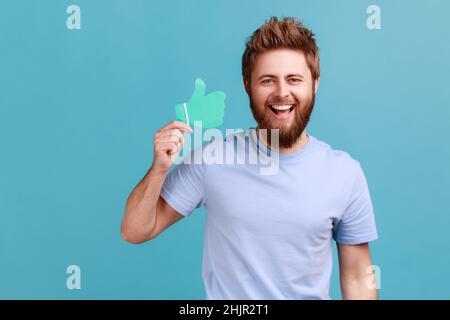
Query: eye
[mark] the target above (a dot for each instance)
(295, 80)
(266, 81)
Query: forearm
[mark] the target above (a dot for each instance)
(359, 288)
(140, 209)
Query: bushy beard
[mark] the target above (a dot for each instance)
(290, 133)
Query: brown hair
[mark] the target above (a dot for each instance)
(287, 33)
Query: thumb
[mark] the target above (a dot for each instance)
(199, 88)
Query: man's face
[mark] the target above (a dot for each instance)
(282, 93)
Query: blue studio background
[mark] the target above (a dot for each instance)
(78, 109)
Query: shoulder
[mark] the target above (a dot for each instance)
(336, 159)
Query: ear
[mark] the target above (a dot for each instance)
(246, 86)
(316, 85)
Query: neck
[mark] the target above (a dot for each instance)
(296, 147)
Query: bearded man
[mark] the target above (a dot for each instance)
(267, 236)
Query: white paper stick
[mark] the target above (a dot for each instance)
(186, 113)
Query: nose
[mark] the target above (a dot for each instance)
(282, 90)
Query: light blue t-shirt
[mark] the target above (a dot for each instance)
(269, 236)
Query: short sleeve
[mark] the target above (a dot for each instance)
(183, 187)
(357, 224)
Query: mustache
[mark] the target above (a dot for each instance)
(288, 135)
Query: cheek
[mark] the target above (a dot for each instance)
(302, 94)
(260, 95)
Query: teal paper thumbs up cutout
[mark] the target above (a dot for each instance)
(208, 109)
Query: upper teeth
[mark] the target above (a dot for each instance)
(283, 107)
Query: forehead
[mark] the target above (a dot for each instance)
(280, 62)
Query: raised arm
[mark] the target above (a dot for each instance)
(147, 214)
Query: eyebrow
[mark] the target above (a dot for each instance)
(274, 76)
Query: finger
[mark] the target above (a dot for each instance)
(218, 96)
(173, 138)
(170, 138)
(166, 147)
(218, 109)
(199, 88)
(170, 132)
(176, 125)
(175, 149)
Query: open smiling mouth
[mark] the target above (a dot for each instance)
(282, 111)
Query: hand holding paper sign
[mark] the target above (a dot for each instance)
(208, 109)
(168, 142)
